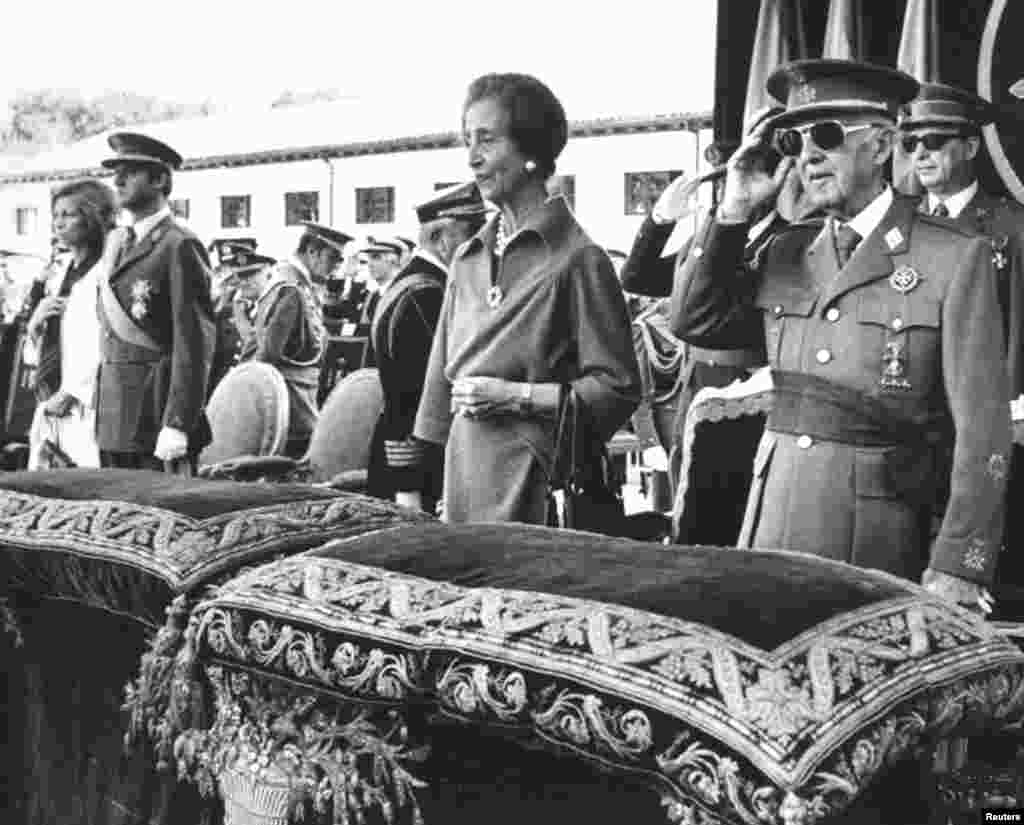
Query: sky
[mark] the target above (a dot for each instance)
(633, 57)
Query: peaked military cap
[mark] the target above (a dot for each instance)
(131, 147)
(327, 234)
(460, 201)
(249, 263)
(940, 105)
(829, 88)
(229, 250)
(406, 242)
(382, 245)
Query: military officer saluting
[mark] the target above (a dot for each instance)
(156, 321)
(884, 334)
(941, 133)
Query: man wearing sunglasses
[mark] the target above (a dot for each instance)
(879, 329)
(941, 134)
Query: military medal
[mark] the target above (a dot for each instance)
(494, 296)
(904, 279)
(141, 291)
(999, 252)
(894, 367)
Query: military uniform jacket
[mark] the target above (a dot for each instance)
(402, 334)
(162, 285)
(1002, 222)
(288, 333)
(916, 306)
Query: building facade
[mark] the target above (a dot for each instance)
(611, 171)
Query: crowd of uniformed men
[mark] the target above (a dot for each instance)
(887, 321)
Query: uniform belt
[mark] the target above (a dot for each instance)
(727, 357)
(808, 405)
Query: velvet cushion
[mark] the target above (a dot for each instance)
(128, 540)
(745, 686)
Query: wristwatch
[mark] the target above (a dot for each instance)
(526, 398)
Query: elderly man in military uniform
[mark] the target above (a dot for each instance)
(401, 467)
(941, 133)
(287, 324)
(156, 321)
(883, 331)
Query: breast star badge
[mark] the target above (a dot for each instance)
(904, 279)
(141, 292)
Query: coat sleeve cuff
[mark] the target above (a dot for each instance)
(972, 559)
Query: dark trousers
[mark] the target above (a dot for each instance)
(147, 461)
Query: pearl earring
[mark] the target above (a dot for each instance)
(530, 166)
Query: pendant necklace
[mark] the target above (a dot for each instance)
(494, 294)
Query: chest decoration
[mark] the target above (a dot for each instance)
(494, 296)
(894, 367)
(999, 243)
(142, 292)
(904, 279)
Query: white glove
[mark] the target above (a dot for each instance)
(171, 444)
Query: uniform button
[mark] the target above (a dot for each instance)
(823, 356)
(897, 323)
(697, 251)
(804, 442)
(777, 309)
(832, 315)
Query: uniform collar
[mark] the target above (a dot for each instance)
(145, 226)
(955, 204)
(867, 220)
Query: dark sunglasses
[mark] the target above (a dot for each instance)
(932, 142)
(826, 134)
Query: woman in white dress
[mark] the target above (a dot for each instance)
(63, 330)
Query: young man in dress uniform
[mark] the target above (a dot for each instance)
(156, 321)
(383, 262)
(941, 133)
(879, 328)
(401, 467)
(287, 323)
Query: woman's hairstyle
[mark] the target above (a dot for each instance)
(95, 200)
(536, 119)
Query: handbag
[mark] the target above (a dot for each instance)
(583, 493)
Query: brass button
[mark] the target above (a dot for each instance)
(897, 323)
(777, 309)
(832, 315)
(823, 356)
(697, 251)
(804, 442)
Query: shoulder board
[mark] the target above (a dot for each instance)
(947, 224)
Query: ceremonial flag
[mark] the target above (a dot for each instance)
(919, 57)
(779, 39)
(844, 31)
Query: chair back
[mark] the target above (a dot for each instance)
(248, 412)
(341, 439)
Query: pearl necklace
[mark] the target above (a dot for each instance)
(501, 237)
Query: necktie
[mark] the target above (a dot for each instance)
(847, 239)
(127, 243)
(940, 211)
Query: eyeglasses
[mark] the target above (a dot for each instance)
(932, 142)
(826, 134)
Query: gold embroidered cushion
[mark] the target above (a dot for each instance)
(745, 686)
(128, 540)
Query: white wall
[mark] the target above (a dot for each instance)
(598, 164)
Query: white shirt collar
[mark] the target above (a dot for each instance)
(145, 226)
(955, 204)
(867, 220)
(757, 230)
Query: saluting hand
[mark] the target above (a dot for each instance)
(748, 184)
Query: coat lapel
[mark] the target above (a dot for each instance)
(873, 258)
(142, 248)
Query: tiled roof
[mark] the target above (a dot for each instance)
(322, 130)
